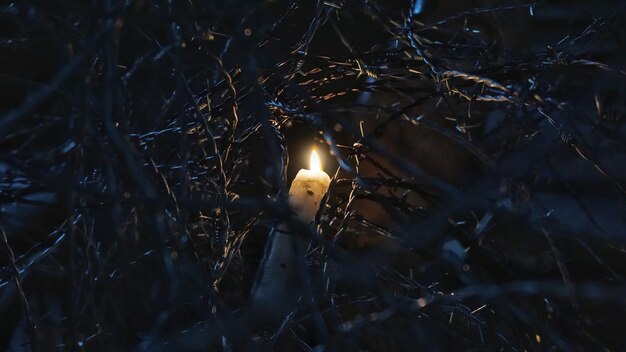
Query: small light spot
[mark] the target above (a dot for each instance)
(247, 32)
(418, 7)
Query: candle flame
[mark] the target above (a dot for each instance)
(316, 165)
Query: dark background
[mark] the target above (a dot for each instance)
(477, 150)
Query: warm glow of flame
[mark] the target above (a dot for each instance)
(316, 165)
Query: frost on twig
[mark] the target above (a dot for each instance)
(476, 152)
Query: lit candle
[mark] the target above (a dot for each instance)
(276, 287)
(307, 189)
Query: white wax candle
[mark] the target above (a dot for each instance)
(307, 190)
(277, 285)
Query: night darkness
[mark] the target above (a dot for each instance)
(476, 152)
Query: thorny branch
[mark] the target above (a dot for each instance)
(477, 190)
